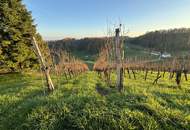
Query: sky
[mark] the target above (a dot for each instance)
(58, 19)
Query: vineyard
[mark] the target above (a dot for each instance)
(64, 64)
(79, 75)
(67, 65)
(119, 93)
(131, 67)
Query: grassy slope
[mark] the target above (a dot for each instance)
(77, 105)
(89, 59)
(131, 51)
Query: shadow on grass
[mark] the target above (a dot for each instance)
(164, 122)
(16, 105)
(12, 83)
(15, 114)
(102, 91)
(71, 107)
(169, 98)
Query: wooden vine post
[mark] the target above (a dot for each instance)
(45, 69)
(118, 54)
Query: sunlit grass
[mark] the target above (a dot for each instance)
(76, 104)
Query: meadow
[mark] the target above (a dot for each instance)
(85, 102)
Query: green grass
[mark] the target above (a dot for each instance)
(132, 51)
(76, 104)
(88, 58)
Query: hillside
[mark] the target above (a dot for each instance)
(89, 45)
(86, 49)
(115, 82)
(86, 102)
(175, 41)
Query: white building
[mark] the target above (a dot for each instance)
(166, 55)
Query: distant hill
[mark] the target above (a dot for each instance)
(174, 40)
(88, 45)
(86, 49)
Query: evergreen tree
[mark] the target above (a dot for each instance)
(16, 32)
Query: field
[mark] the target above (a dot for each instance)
(86, 103)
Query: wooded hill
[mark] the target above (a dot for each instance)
(173, 41)
(89, 45)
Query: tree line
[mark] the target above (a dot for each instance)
(172, 40)
(89, 45)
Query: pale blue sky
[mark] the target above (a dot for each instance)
(57, 19)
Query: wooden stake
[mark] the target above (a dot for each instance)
(44, 68)
(119, 70)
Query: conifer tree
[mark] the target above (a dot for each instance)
(16, 32)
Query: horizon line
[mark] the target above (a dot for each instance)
(133, 35)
